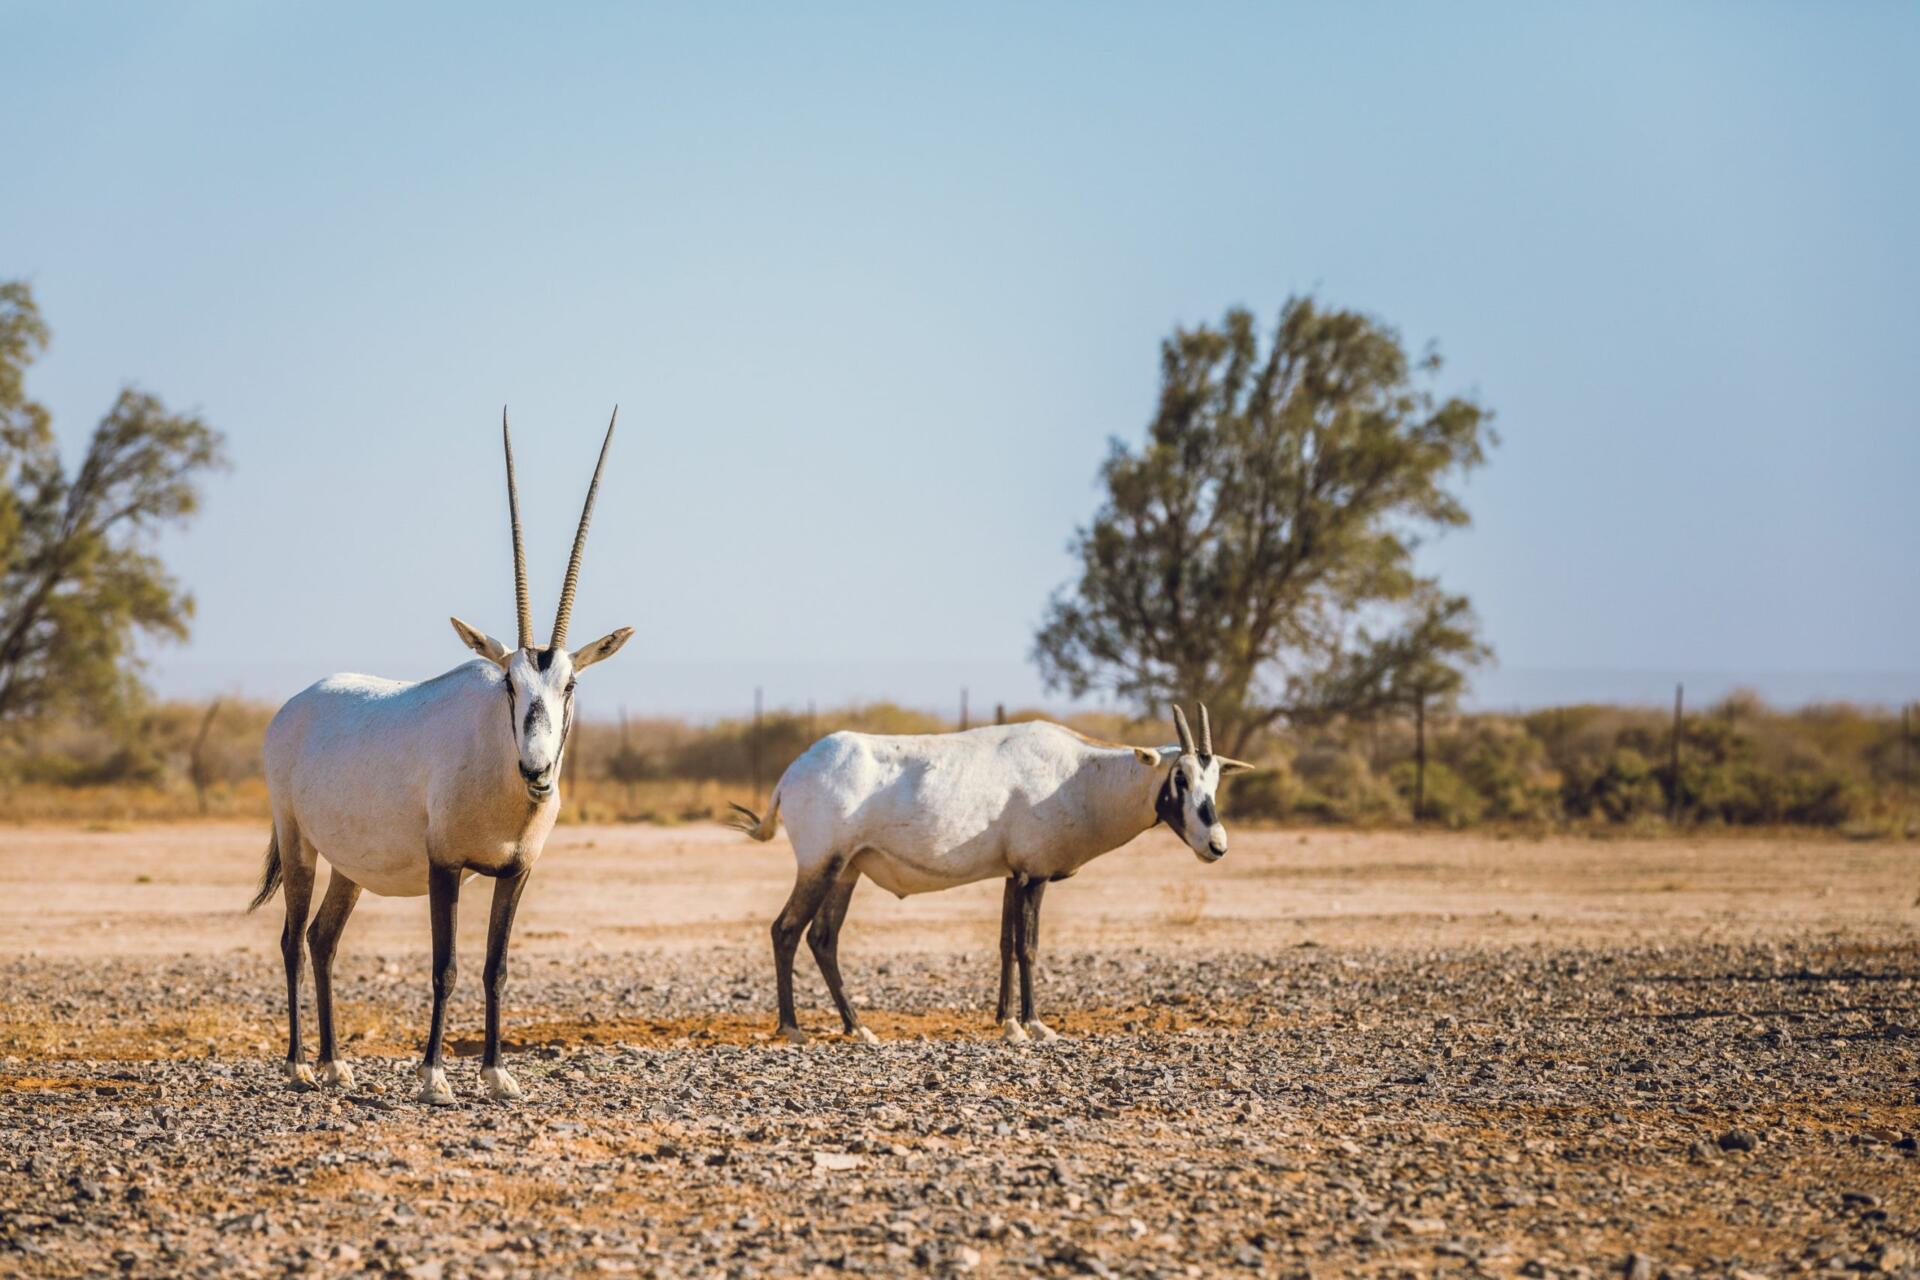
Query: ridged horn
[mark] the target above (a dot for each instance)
(580, 542)
(1186, 734)
(522, 604)
(1206, 733)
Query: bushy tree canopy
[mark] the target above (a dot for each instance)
(1257, 553)
(78, 582)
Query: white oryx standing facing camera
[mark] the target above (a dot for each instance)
(408, 789)
(1032, 803)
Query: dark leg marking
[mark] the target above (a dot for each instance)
(443, 903)
(823, 939)
(297, 887)
(1029, 943)
(323, 937)
(1009, 922)
(506, 900)
(810, 889)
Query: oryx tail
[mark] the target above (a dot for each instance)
(270, 875)
(755, 826)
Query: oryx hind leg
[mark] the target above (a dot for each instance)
(323, 937)
(810, 889)
(297, 860)
(823, 939)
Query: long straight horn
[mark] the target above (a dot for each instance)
(1206, 733)
(1186, 734)
(580, 541)
(521, 603)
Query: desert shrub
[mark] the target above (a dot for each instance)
(1621, 787)
(1270, 795)
(1449, 799)
(1506, 768)
(1337, 785)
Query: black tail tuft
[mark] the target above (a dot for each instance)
(748, 821)
(270, 876)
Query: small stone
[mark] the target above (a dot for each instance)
(1738, 1140)
(1638, 1266)
(966, 1258)
(835, 1161)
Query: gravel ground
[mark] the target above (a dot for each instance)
(1539, 1110)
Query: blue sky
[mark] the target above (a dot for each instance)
(874, 285)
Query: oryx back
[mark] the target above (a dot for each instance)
(918, 813)
(377, 775)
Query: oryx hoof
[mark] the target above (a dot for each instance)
(1012, 1032)
(434, 1089)
(1042, 1032)
(336, 1074)
(501, 1086)
(299, 1076)
(862, 1035)
(791, 1034)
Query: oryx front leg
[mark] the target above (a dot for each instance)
(810, 889)
(500, 1083)
(443, 902)
(323, 938)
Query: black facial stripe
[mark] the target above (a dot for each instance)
(1166, 805)
(543, 658)
(536, 718)
(1207, 812)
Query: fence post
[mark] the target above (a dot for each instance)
(1906, 757)
(1673, 765)
(963, 708)
(626, 760)
(999, 713)
(753, 744)
(202, 778)
(1419, 755)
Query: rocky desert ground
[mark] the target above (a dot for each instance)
(1331, 1054)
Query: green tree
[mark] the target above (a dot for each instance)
(1257, 553)
(78, 581)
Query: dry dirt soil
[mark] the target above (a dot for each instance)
(1330, 1054)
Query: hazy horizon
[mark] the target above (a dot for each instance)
(875, 288)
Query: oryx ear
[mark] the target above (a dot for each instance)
(482, 643)
(1229, 765)
(605, 647)
(1147, 756)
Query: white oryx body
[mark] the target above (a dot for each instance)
(918, 813)
(1027, 803)
(413, 788)
(379, 776)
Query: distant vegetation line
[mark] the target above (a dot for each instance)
(1743, 764)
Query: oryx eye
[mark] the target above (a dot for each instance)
(570, 685)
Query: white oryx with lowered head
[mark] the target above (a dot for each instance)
(408, 789)
(1030, 803)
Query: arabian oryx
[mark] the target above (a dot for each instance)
(408, 789)
(1029, 802)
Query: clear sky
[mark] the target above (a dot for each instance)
(873, 286)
